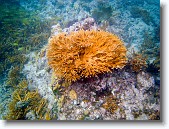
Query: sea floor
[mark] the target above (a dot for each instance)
(123, 94)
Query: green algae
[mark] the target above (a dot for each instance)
(20, 30)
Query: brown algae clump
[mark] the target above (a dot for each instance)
(25, 102)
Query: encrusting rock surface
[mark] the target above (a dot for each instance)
(119, 95)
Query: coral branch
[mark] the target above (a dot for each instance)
(85, 53)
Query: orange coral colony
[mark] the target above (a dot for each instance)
(85, 53)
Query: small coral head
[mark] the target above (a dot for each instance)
(85, 53)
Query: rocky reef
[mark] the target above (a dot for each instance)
(33, 89)
(117, 95)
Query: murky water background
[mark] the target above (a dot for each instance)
(25, 26)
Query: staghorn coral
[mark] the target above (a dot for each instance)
(85, 53)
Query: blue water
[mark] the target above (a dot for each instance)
(25, 26)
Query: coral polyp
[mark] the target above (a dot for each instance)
(85, 53)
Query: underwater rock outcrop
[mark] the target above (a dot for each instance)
(120, 95)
